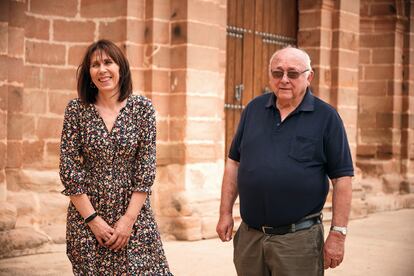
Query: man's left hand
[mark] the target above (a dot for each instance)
(333, 251)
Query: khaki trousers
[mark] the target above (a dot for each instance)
(293, 254)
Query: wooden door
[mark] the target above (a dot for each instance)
(255, 30)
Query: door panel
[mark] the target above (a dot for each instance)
(255, 30)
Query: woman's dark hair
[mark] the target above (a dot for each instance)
(87, 92)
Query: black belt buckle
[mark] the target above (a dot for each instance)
(268, 230)
(266, 227)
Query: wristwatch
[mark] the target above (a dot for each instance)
(340, 229)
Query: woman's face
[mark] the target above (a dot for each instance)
(104, 73)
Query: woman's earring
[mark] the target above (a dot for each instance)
(92, 85)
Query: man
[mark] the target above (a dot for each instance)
(287, 145)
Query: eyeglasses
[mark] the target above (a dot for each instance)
(277, 74)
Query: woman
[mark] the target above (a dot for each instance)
(107, 167)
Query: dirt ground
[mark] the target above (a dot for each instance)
(379, 245)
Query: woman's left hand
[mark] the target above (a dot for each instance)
(123, 230)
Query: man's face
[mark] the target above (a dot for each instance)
(291, 86)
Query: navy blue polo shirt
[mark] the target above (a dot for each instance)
(284, 166)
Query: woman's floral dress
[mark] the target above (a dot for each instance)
(108, 167)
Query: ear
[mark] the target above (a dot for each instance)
(310, 77)
(272, 85)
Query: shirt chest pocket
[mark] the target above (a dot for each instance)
(302, 148)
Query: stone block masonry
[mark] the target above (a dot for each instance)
(362, 54)
(41, 46)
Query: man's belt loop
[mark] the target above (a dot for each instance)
(318, 214)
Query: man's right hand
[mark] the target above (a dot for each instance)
(102, 231)
(225, 227)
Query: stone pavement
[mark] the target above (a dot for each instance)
(379, 245)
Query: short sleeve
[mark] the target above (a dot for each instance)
(72, 173)
(145, 158)
(338, 153)
(234, 152)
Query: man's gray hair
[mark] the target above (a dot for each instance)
(306, 56)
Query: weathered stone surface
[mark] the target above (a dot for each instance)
(20, 239)
(391, 183)
(34, 180)
(27, 205)
(164, 226)
(207, 207)
(204, 175)
(410, 181)
(371, 185)
(384, 202)
(377, 168)
(176, 205)
(8, 215)
(408, 200)
(359, 208)
(357, 191)
(53, 208)
(208, 227)
(56, 233)
(407, 185)
(25, 201)
(186, 228)
(39, 208)
(3, 186)
(168, 184)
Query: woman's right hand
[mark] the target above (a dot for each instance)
(101, 230)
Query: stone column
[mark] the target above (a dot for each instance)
(15, 235)
(15, 117)
(8, 212)
(4, 38)
(345, 62)
(384, 130)
(16, 120)
(329, 32)
(407, 135)
(191, 153)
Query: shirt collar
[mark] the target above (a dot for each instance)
(307, 103)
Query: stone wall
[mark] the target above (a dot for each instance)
(176, 51)
(362, 52)
(185, 79)
(362, 55)
(385, 102)
(329, 31)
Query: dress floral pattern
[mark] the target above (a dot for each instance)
(109, 166)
